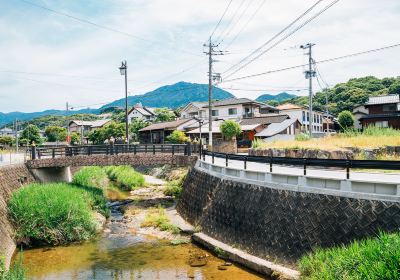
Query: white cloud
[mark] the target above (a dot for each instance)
(36, 41)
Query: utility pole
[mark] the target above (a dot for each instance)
(309, 75)
(68, 132)
(16, 135)
(211, 78)
(124, 71)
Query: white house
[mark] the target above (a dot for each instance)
(85, 127)
(302, 114)
(232, 108)
(7, 132)
(141, 112)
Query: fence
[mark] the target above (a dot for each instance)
(53, 152)
(305, 162)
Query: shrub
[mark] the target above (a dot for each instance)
(178, 137)
(51, 214)
(257, 143)
(346, 119)
(377, 258)
(302, 137)
(174, 188)
(125, 176)
(93, 176)
(230, 129)
(16, 271)
(156, 217)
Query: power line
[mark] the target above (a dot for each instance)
(219, 38)
(247, 23)
(317, 62)
(223, 14)
(285, 37)
(274, 37)
(110, 29)
(264, 89)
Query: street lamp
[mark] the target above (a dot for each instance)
(200, 121)
(124, 72)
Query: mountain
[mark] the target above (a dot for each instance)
(173, 96)
(6, 118)
(279, 97)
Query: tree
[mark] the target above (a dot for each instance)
(136, 125)
(75, 138)
(230, 129)
(32, 134)
(113, 129)
(164, 115)
(178, 137)
(55, 133)
(6, 140)
(346, 119)
(119, 117)
(395, 88)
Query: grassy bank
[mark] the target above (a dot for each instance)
(377, 258)
(372, 137)
(156, 217)
(125, 177)
(55, 213)
(93, 176)
(15, 272)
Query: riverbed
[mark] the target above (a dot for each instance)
(124, 250)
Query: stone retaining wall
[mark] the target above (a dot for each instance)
(142, 159)
(279, 224)
(11, 178)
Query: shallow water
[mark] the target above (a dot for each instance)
(119, 253)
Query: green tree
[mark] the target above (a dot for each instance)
(178, 137)
(6, 140)
(230, 129)
(118, 117)
(55, 133)
(164, 115)
(395, 88)
(97, 136)
(32, 134)
(75, 138)
(136, 125)
(113, 129)
(346, 120)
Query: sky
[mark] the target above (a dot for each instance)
(73, 54)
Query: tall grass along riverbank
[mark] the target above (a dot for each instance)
(54, 213)
(377, 258)
(15, 272)
(371, 137)
(125, 177)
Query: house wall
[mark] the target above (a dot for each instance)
(298, 114)
(382, 109)
(135, 114)
(393, 122)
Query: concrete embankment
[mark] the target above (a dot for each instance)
(11, 178)
(276, 223)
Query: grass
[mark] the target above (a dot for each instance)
(93, 176)
(371, 137)
(125, 177)
(156, 217)
(53, 213)
(377, 258)
(174, 188)
(16, 271)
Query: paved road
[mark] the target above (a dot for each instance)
(313, 171)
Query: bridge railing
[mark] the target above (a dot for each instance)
(306, 162)
(54, 152)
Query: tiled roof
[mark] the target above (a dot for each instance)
(97, 123)
(272, 118)
(237, 101)
(165, 125)
(289, 106)
(275, 128)
(383, 99)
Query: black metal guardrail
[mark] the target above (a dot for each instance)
(53, 152)
(305, 162)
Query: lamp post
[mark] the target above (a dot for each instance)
(200, 121)
(124, 72)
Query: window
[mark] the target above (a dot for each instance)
(304, 116)
(308, 116)
(214, 113)
(382, 124)
(232, 111)
(389, 108)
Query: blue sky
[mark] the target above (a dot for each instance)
(48, 59)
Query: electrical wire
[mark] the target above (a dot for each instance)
(219, 38)
(223, 14)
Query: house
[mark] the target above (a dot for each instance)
(303, 115)
(84, 127)
(231, 108)
(262, 127)
(6, 132)
(383, 111)
(157, 133)
(359, 112)
(141, 112)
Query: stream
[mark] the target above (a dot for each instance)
(125, 251)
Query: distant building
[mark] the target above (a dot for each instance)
(382, 111)
(141, 112)
(157, 133)
(359, 112)
(231, 108)
(6, 132)
(85, 127)
(303, 115)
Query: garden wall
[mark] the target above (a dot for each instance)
(276, 223)
(11, 178)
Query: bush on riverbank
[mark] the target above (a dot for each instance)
(174, 188)
(125, 176)
(156, 217)
(53, 213)
(93, 176)
(377, 258)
